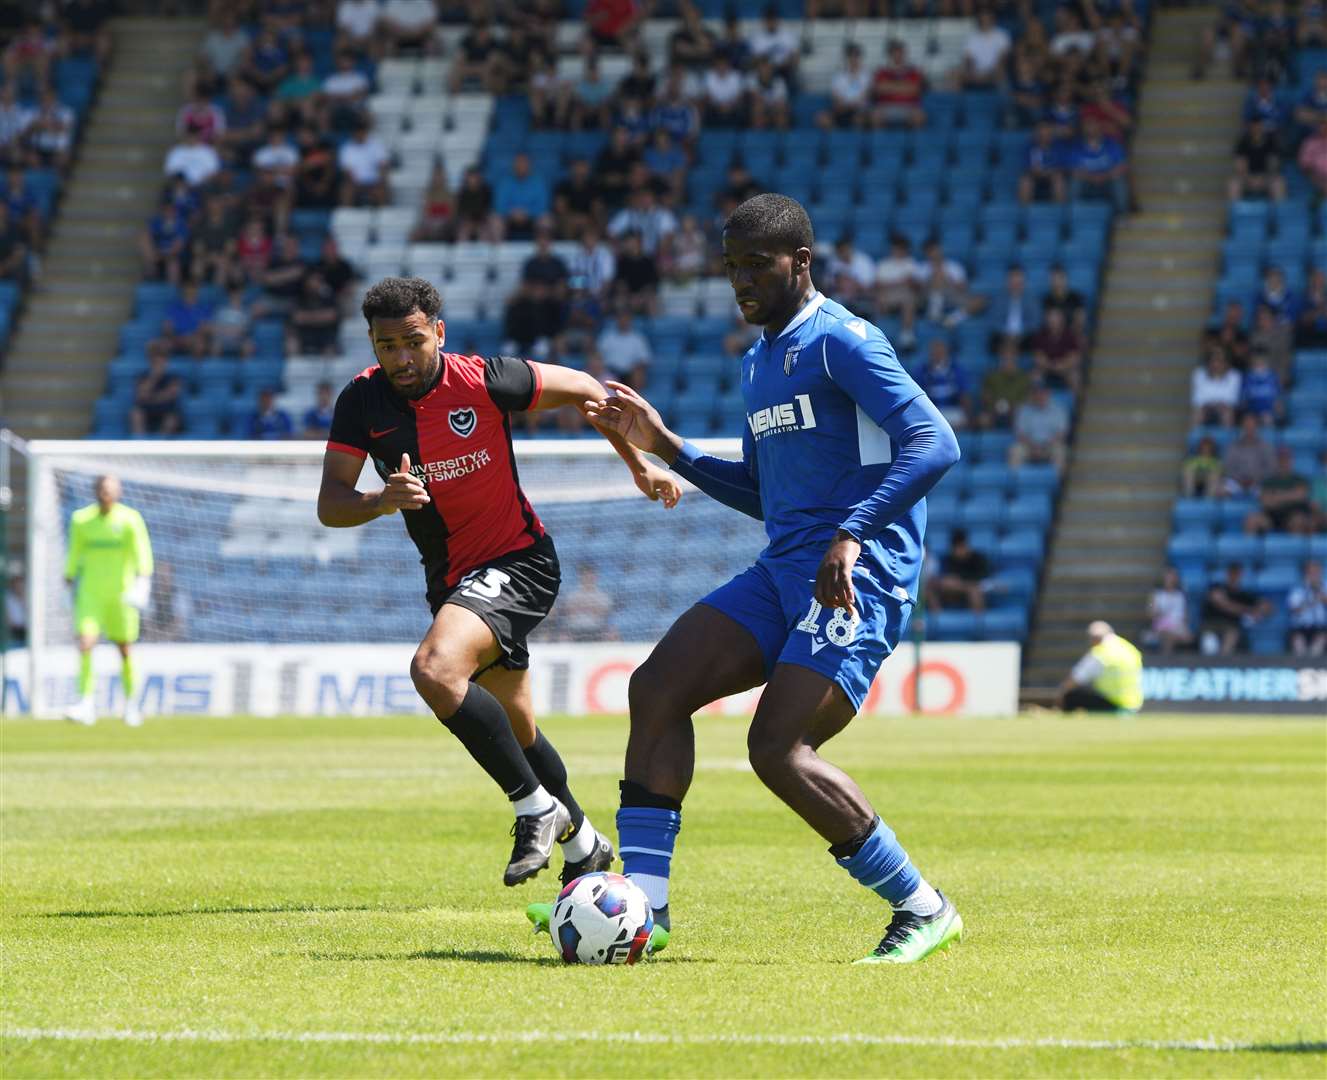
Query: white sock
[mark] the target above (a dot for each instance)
(656, 888)
(537, 802)
(579, 846)
(923, 901)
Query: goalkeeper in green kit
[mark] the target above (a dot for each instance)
(110, 568)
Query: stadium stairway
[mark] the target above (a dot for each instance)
(69, 330)
(1110, 537)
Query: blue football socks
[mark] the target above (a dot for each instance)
(881, 864)
(646, 835)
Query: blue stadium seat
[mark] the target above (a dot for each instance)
(1004, 625)
(1283, 548)
(997, 478)
(1236, 547)
(984, 509)
(1023, 548)
(949, 625)
(1192, 515)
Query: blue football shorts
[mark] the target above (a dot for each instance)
(774, 600)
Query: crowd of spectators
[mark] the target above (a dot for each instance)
(1259, 41)
(50, 60)
(275, 123)
(1230, 610)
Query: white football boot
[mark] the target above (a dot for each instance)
(84, 712)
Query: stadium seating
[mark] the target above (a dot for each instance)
(74, 78)
(1208, 534)
(955, 179)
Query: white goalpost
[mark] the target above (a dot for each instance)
(257, 609)
(242, 561)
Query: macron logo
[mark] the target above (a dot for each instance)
(817, 645)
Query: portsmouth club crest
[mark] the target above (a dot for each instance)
(790, 358)
(462, 421)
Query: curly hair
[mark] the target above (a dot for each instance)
(399, 297)
(774, 219)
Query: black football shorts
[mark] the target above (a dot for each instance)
(512, 594)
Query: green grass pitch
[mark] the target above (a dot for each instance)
(304, 898)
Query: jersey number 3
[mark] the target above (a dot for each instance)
(486, 584)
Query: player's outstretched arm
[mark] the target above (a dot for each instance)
(566, 386)
(732, 483)
(341, 506)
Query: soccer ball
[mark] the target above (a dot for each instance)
(601, 919)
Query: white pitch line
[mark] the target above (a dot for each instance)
(637, 1038)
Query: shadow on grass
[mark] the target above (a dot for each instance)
(1290, 1048)
(244, 909)
(472, 956)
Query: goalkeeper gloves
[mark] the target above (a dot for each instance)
(138, 594)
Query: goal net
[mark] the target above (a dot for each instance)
(241, 558)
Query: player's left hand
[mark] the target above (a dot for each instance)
(834, 577)
(658, 485)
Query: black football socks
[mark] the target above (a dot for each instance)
(482, 726)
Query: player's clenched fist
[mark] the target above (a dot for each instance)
(404, 490)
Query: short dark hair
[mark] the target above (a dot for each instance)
(958, 536)
(775, 219)
(400, 297)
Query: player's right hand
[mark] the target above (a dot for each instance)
(404, 490)
(635, 419)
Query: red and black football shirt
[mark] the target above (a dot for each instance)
(458, 436)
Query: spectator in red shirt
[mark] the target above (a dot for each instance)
(1057, 351)
(897, 90)
(1110, 116)
(611, 21)
(1313, 157)
(202, 117)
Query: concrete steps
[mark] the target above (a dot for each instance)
(91, 266)
(1113, 523)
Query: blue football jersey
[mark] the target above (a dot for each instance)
(816, 396)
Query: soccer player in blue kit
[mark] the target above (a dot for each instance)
(839, 451)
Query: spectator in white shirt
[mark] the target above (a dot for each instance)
(850, 92)
(225, 45)
(14, 120)
(897, 277)
(945, 284)
(592, 265)
(1070, 36)
(278, 157)
(51, 133)
(851, 274)
(408, 23)
(724, 94)
(775, 43)
(193, 159)
(363, 160)
(347, 82)
(984, 53)
(357, 20)
(1308, 613)
(643, 215)
(1168, 614)
(1215, 390)
(767, 97)
(625, 350)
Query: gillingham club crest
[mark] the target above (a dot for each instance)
(462, 421)
(790, 358)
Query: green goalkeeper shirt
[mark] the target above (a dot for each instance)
(107, 551)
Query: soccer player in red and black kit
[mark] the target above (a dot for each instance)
(438, 429)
